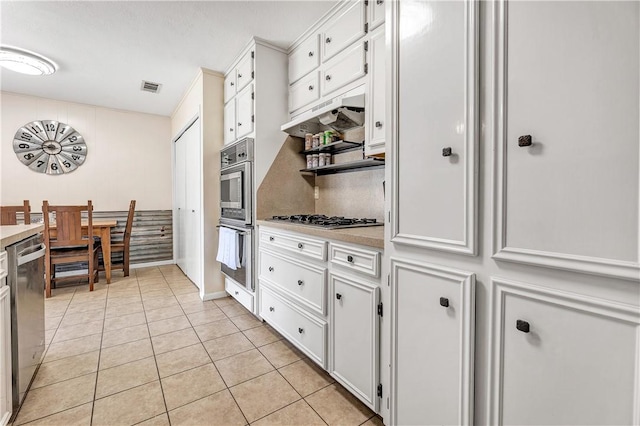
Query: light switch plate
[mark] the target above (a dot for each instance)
(316, 192)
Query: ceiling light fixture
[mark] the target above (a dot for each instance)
(25, 62)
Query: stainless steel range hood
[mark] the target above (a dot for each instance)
(340, 113)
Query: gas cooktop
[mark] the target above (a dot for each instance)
(326, 222)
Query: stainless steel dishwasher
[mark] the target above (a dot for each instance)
(26, 280)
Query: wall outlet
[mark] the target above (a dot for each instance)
(316, 192)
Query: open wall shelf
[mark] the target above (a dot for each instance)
(345, 167)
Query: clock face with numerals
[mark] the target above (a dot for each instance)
(50, 147)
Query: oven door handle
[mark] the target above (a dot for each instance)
(241, 231)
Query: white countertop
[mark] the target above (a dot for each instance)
(11, 234)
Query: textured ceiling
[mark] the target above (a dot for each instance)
(104, 49)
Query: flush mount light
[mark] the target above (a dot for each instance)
(25, 62)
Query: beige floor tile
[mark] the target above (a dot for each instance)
(163, 313)
(78, 416)
(242, 367)
(173, 362)
(55, 311)
(234, 311)
(168, 325)
(217, 409)
(82, 318)
(296, 414)
(190, 385)
(125, 353)
(73, 347)
(55, 398)
(337, 406)
(66, 368)
(199, 306)
(206, 316)
(124, 335)
(51, 323)
(161, 420)
(118, 323)
(188, 298)
(79, 330)
(184, 289)
(86, 306)
(262, 335)
(160, 302)
(374, 421)
(263, 395)
(48, 336)
(215, 329)
(245, 322)
(126, 376)
(306, 377)
(129, 407)
(224, 301)
(120, 310)
(124, 300)
(176, 340)
(227, 346)
(62, 293)
(146, 288)
(280, 353)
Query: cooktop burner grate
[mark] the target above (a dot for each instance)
(327, 222)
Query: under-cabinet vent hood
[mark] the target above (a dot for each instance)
(341, 113)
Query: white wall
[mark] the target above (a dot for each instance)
(128, 157)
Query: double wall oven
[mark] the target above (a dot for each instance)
(236, 208)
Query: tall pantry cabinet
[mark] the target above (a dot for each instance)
(513, 235)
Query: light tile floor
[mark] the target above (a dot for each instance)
(146, 350)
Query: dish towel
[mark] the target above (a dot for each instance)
(228, 247)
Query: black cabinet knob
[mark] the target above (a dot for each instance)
(310, 88)
(271, 308)
(378, 124)
(328, 78)
(338, 296)
(522, 326)
(310, 54)
(239, 124)
(237, 293)
(446, 152)
(231, 129)
(239, 75)
(350, 259)
(300, 245)
(525, 140)
(300, 282)
(271, 238)
(444, 302)
(379, 1)
(300, 330)
(328, 40)
(270, 268)
(232, 83)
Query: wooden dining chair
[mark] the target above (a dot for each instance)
(67, 244)
(122, 246)
(8, 214)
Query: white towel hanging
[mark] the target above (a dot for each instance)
(228, 247)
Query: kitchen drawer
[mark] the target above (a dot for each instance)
(304, 92)
(303, 330)
(239, 293)
(355, 259)
(343, 69)
(304, 58)
(244, 71)
(300, 281)
(229, 86)
(343, 30)
(315, 249)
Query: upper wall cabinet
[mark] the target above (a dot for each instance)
(434, 78)
(304, 58)
(343, 29)
(376, 13)
(376, 111)
(567, 189)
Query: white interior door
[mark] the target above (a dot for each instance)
(181, 203)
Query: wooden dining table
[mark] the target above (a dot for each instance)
(102, 229)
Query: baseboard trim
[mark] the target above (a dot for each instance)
(216, 295)
(150, 264)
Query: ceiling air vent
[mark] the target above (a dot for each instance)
(148, 86)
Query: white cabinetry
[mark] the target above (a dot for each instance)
(304, 92)
(376, 13)
(230, 121)
(304, 58)
(345, 68)
(343, 29)
(376, 106)
(244, 112)
(5, 352)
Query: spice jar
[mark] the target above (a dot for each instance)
(315, 142)
(321, 159)
(308, 141)
(314, 160)
(309, 161)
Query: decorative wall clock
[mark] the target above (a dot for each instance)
(50, 147)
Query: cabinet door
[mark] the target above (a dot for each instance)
(244, 70)
(435, 135)
(343, 69)
(561, 359)
(376, 13)
(230, 122)
(343, 30)
(5, 355)
(376, 102)
(229, 86)
(354, 336)
(567, 143)
(304, 92)
(244, 117)
(193, 188)
(432, 332)
(304, 58)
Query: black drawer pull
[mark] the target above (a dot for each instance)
(300, 245)
(338, 296)
(446, 152)
(271, 238)
(525, 140)
(232, 83)
(444, 302)
(378, 124)
(350, 259)
(310, 88)
(270, 268)
(328, 77)
(237, 293)
(310, 54)
(300, 330)
(300, 282)
(271, 308)
(328, 40)
(239, 75)
(522, 326)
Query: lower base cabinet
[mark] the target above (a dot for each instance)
(354, 336)
(239, 293)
